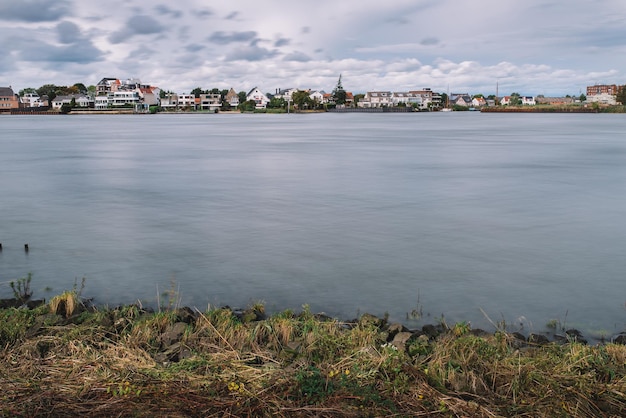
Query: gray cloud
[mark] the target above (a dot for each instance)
(166, 11)
(305, 29)
(429, 41)
(68, 32)
(224, 38)
(281, 42)
(137, 25)
(81, 52)
(194, 47)
(251, 53)
(33, 10)
(203, 13)
(232, 16)
(297, 56)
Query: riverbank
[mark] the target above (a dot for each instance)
(67, 358)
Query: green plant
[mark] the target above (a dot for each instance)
(21, 289)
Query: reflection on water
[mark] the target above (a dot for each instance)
(517, 215)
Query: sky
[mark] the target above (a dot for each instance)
(531, 47)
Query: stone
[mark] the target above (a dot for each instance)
(401, 339)
(538, 339)
(368, 319)
(620, 339)
(173, 334)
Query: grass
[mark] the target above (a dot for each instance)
(131, 362)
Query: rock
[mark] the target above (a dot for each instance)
(371, 320)
(431, 331)
(394, 329)
(538, 339)
(620, 339)
(575, 335)
(186, 315)
(173, 334)
(401, 339)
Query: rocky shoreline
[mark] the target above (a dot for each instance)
(69, 358)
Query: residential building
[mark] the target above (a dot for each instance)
(430, 99)
(80, 100)
(528, 100)
(107, 85)
(169, 101)
(258, 97)
(479, 102)
(34, 100)
(409, 99)
(318, 96)
(374, 99)
(8, 99)
(610, 89)
(187, 101)
(210, 101)
(232, 98)
(602, 98)
(123, 98)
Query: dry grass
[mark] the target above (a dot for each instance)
(105, 364)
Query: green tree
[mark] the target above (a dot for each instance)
(197, 92)
(82, 89)
(621, 95)
(515, 99)
(73, 103)
(301, 99)
(66, 108)
(339, 94)
(582, 98)
(242, 96)
(26, 91)
(358, 98)
(276, 103)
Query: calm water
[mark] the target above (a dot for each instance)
(519, 215)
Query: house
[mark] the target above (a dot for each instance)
(149, 95)
(318, 96)
(430, 99)
(123, 98)
(101, 102)
(8, 99)
(107, 85)
(258, 97)
(232, 98)
(374, 99)
(34, 100)
(408, 98)
(187, 101)
(479, 102)
(210, 101)
(80, 100)
(460, 99)
(169, 101)
(528, 100)
(505, 101)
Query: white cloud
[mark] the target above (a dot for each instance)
(535, 46)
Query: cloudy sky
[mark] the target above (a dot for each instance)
(550, 47)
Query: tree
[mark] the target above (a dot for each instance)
(339, 94)
(81, 88)
(301, 99)
(515, 99)
(276, 103)
(197, 92)
(358, 98)
(621, 95)
(25, 91)
(242, 96)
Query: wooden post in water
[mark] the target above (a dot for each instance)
(26, 247)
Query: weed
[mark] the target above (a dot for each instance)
(21, 288)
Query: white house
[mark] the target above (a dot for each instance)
(317, 96)
(259, 98)
(122, 98)
(210, 101)
(80, 99)
(33, 100)
(528, 100)
(376, 99)
(407, 98)
(187, 100)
